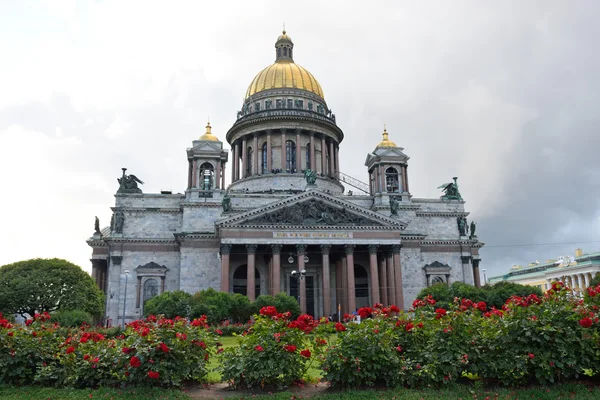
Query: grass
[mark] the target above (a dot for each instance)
(455, 392)
(31, 392)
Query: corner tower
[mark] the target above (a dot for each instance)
(207, 161)
(388, 176)
(284, 128)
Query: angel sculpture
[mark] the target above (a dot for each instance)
(128, 183)
(450, 190)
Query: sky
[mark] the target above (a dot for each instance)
(504, 95)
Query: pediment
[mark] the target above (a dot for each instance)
(151, 267)
(437, 267)
(209, 146)
(310, 210)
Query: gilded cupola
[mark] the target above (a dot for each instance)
(386, 142)
(284, 72)
(208, 134)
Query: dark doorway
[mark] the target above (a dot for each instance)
(240, 280)
(310, 293)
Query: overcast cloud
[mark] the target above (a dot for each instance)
(504, 95)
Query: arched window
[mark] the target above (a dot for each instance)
(361, 286)
(207, 173)
(240, 280)
(308, 156)
(285, 51)
(391, 180)
(150, 289)
(437, 279)
(290, 156)
(250, 157)
(263, 166)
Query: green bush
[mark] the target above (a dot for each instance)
(170, 304)
(221, 306)
(281, 301)
(72, 318)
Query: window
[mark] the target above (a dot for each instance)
(278, 53)
(268, 104)
(391, 180)
(290, 155)
(263, 157)
(299, 104)
(308, 156)
(310, 105)
(240, 281)
(278, 103)
(206, 176)
(250, 157)
(285, 51)
(150, 289)
(256, 106)
(290, 103)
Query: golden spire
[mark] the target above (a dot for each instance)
(208, 135)
(386, 142)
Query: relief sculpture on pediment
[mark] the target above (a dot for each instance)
(313, 212)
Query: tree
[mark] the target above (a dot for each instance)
(40, 285)
(170, 304)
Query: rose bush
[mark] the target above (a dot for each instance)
(150, 352)
(274, 352)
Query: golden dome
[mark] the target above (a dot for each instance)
(208, 135)
(386, 142)
(284, 74)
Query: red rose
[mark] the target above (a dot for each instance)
(394, 308)
(95, 360)
(126, 350)
(10, 333)
(339, 327)
(163, 347)
(34, 334)
(259, 348)
(220, 350)
(290, 347)
(409, 327)
(86, 357)
(586, 322)
(70, 350)
(153, 375)
(399, 348)
(219, 332)
(481, 306)
(305, 353)
(439, 313)
(135, 362)
(268, 311)
(531, 356)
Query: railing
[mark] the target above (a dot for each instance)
(286, 113)
(355, 183)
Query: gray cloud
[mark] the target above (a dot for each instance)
(505, 96)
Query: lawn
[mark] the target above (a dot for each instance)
(456, 392)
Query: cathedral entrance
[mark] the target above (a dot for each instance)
(310, 292)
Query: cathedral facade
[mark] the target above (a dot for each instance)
(285, 222)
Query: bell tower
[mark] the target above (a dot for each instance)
(207, 161)
(387, 166)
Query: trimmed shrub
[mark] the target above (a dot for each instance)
(170, 304)
(72, 318)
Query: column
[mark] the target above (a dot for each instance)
(283, 153)
(301, 251)
(162, 284)
(218, 176)
(337, 160)
(390, 278)
(586, 280)
(195, 174)
(233, 158)
(345, 285)
(406, 177)
(376, 180)
(298, 151)
(236, 162)
(255, 155)
(350, 272)
(244, 158)
(276, 263)
(323, 156)
(269, 158)
(331, 162)
(251, 280)
(313, 162)
(398, 277)
(225, 252)
(382, 187)
(476, 272)
(138, 292)
(338, 284)
(383, 281)
(325, 248)
(190, 172)
(223, 175)
(374, 284)
(403, 170)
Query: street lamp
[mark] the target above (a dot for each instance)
(125, 298)
(484, 278)
(299, 275)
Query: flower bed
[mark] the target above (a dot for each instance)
(533, 339)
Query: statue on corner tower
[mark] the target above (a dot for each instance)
(128, 183)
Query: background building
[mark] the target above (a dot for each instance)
(575, 271)
(284, 210)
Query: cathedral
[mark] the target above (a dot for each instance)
(290, 221)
